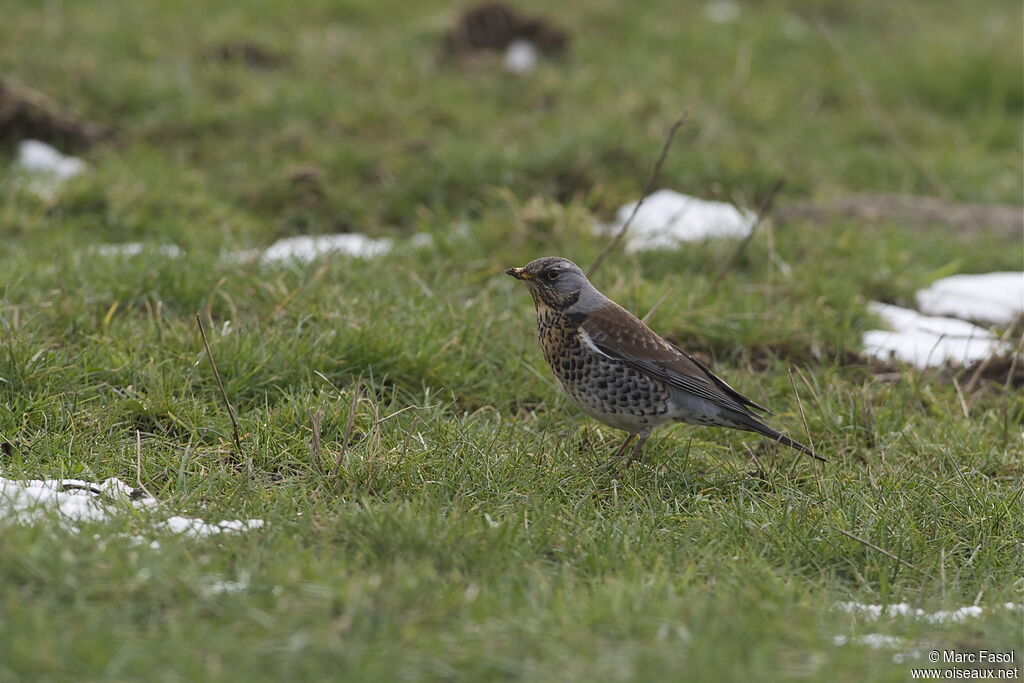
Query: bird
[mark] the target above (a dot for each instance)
(616, 369)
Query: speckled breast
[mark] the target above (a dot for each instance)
(600, 386)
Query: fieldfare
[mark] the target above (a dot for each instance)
(619, 371)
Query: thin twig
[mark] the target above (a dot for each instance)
(874, 547)
(800, 407)
(867, 95)
(657, 304)
(223, 393)
(314, 442)
(648, 188)
(1014, 357)
(349, 424)
(976, 375)
(762, 212)
(960, 395)
(408, 435)
(139, 486)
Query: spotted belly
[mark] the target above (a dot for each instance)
(610, 391)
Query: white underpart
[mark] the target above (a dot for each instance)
(995, 298)
(668, 218)
(46, 168)
(926, 341)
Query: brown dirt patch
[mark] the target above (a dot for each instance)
(495, 25)
(911, 210)
(28, 114)
(246, 52)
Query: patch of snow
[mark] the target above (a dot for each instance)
(521, 57)
(197, 528)
(668, 218)
(220, 587)
(874, 640)
(902, 609)
(880, 641)
(422, 240)
(995, 298)
(927, 341)
(73, 500)
(308, 248)
(46, 167)
(136, 248)
(722, 11)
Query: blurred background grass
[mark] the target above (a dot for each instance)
(476, 535)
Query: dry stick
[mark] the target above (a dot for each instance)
(800, 407)
(647, 190)
(1013, 365)
(408, 435)
(973, 381)
(874, 547)
(803, 419)
(762, 212)
(960, 396)
(349, 424)
(139, 486)
(223, 394)
(657, 304)
(867, 94)
(314, 442)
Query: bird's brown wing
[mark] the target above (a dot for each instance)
(617, 333)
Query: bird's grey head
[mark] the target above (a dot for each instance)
(558, 283)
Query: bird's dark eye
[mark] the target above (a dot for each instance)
(552, 275)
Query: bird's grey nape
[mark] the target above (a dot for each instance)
(589, 300)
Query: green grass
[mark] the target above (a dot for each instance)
(472, 530)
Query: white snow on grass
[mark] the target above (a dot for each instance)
(902, 609)
(874, 640)
(521, 57)
(882, 641)
(305, 249)
(879, 641)
(136, 248)
(220, 587)
(995, 298)
(668, 218)
(927, 341)
(197, 528)
(46, 168)
(72, 500)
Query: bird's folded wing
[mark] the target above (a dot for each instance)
(618, 334)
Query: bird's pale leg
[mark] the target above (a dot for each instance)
(622, 449)
(635, 454)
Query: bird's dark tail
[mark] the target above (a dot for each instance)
(750, 424)
(783, 439)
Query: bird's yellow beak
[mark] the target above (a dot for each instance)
(519, 273)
